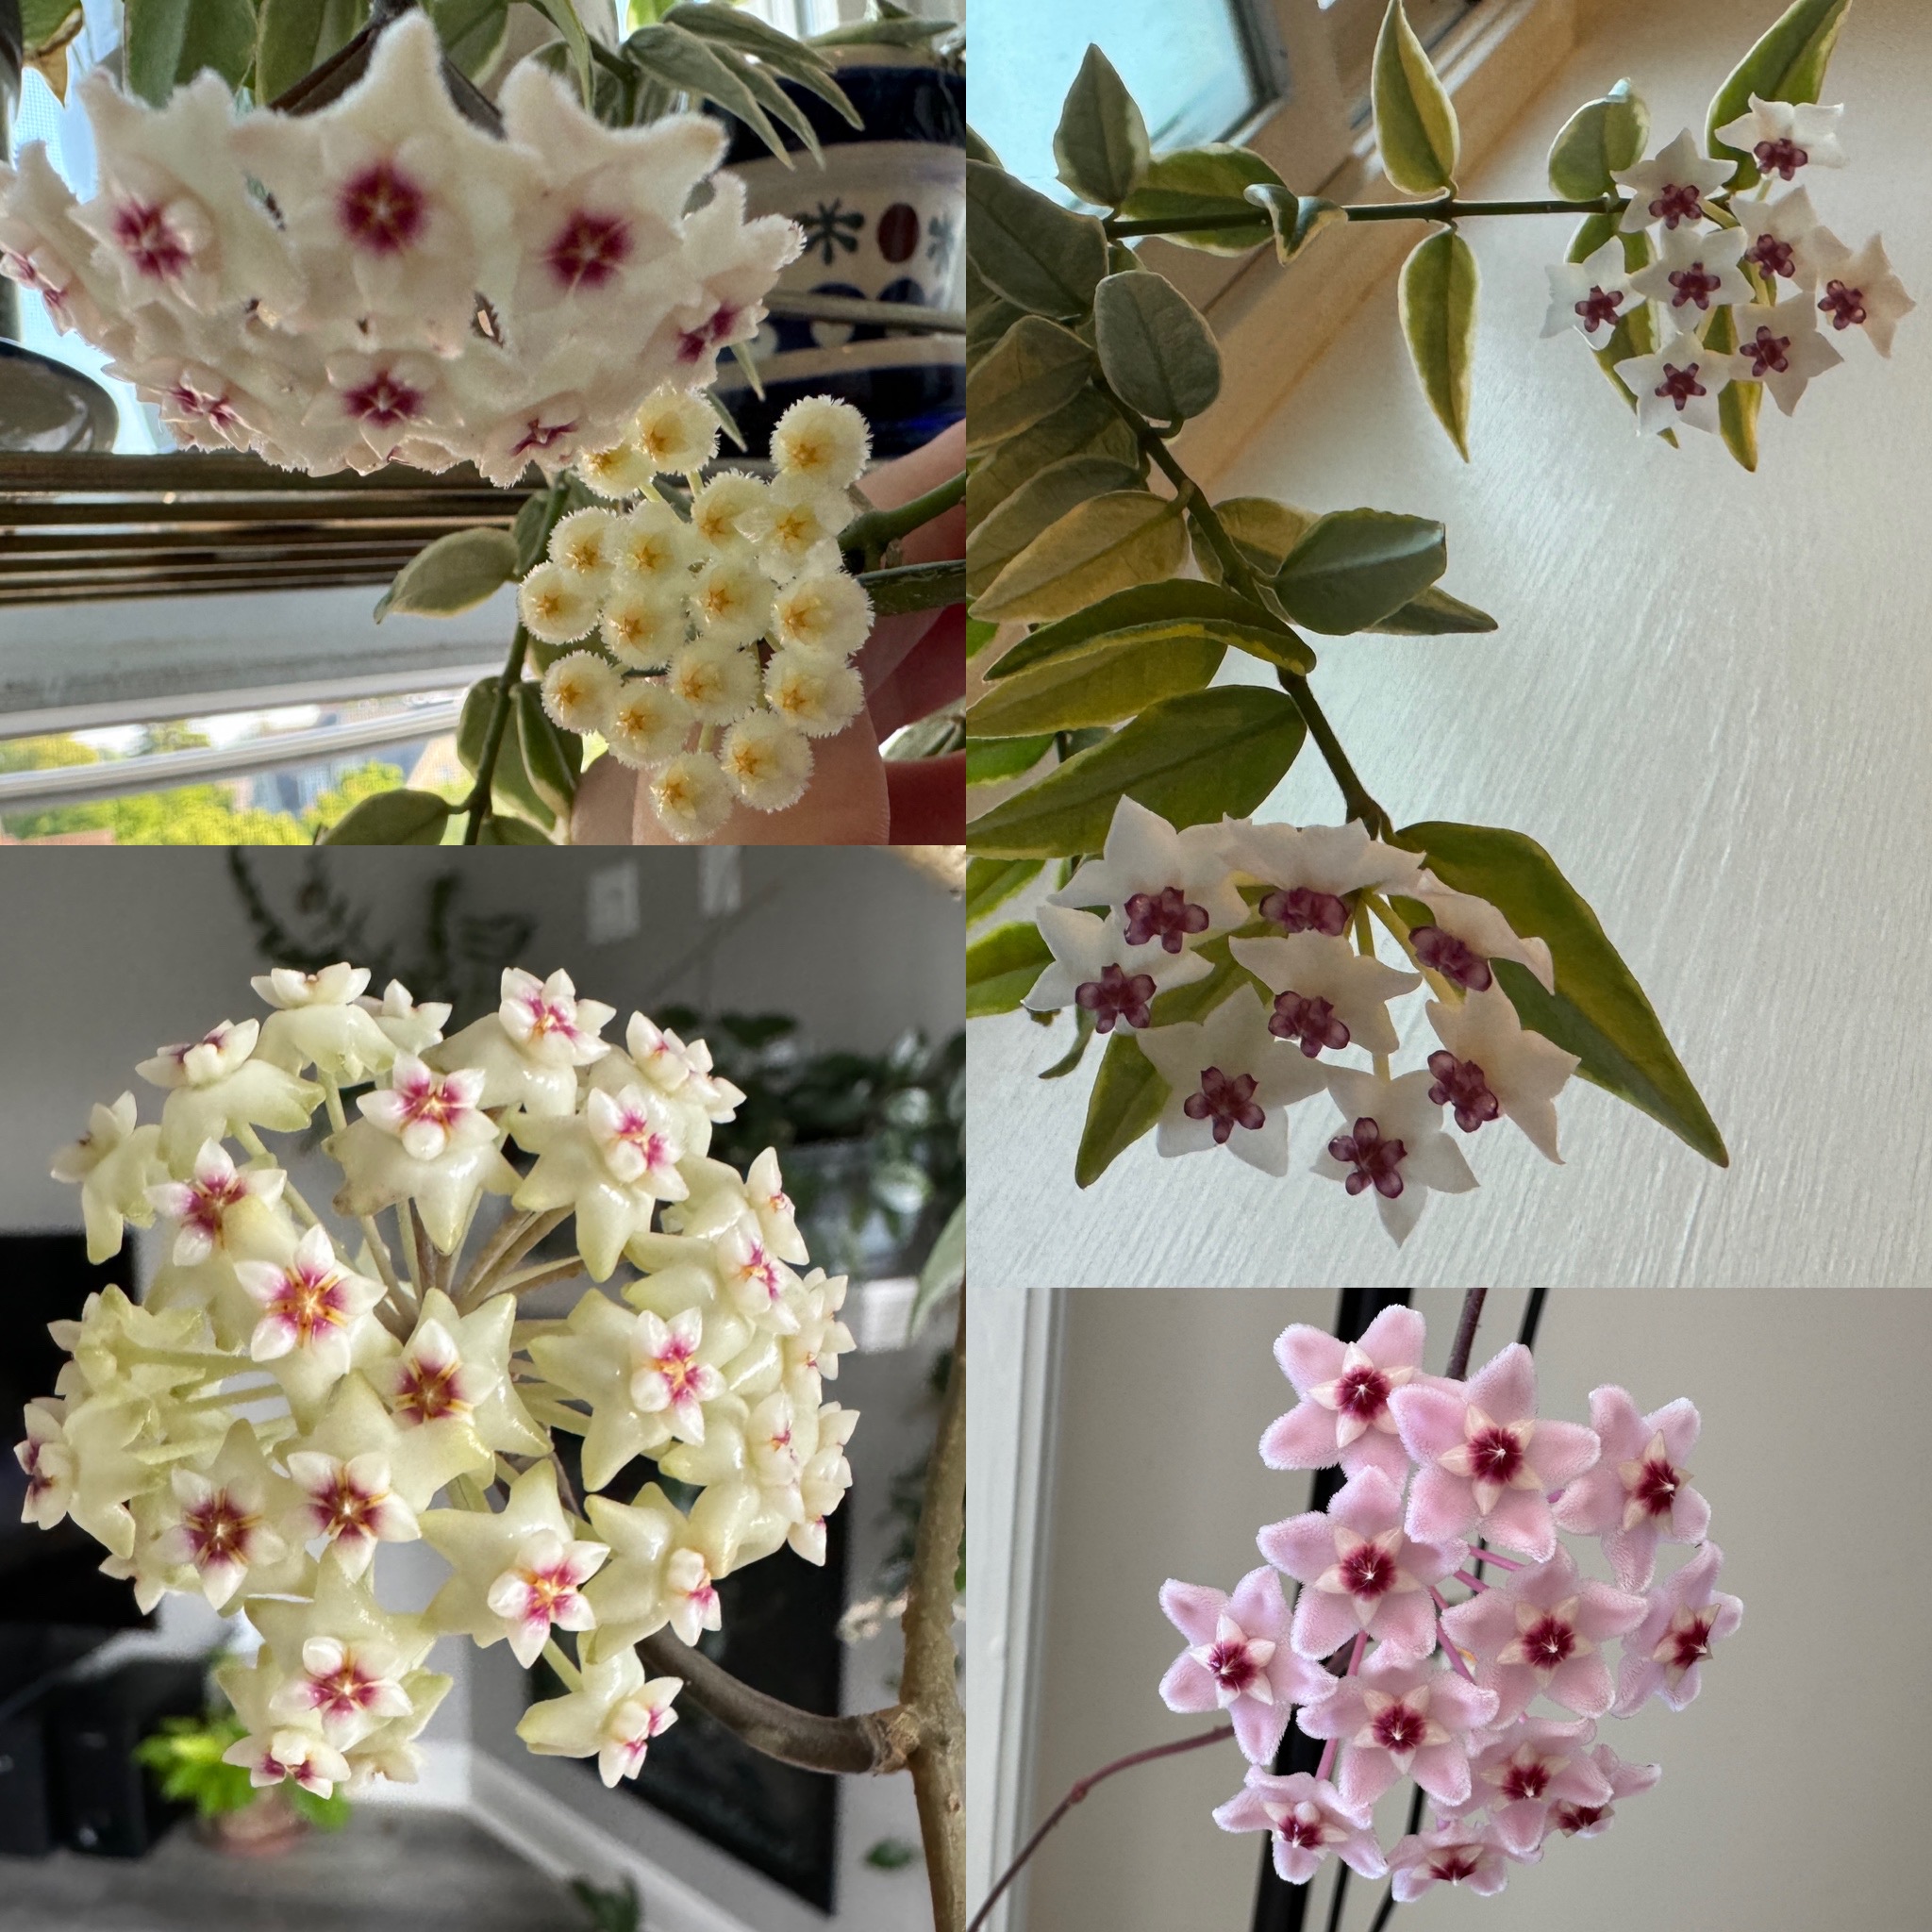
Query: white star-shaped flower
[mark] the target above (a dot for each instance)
(1671, 187)
(1169, 885)
(1784, 348)
(1096, 969)
(1592, 296)
(1327, 995)
(1678, 386)
(1859, 290)
(1696, 270)
(1784, 136)
(1492, 1064)
(612, 1718)
(1391, 1140)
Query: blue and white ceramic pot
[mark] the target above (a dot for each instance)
(884, 221)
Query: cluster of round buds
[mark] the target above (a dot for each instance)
(718, 637)
(302, 1386)
(383, 281)
(1728, 288)
(1304, 1000)
(1489, 1702)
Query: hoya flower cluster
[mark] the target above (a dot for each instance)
(1743, 287)
(1273, 924)
(1489, 1702)
(298, 1388)
(384, 281)
(719, 639)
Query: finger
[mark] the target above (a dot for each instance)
(929, 800)
(930, 676)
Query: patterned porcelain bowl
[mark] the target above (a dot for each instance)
(884, 221)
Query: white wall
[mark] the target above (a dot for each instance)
(1709, 698)
(1790, 1786)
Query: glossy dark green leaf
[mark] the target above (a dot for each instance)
(1099, 147)
(1434, 614)
(1602, 139)
(1206, 184)
(1787, 64)
(1190, 758)
(1155, 347)
(1035, 368)
(1436, 298)
(1178, 602)
(1415, 124)
(995, 759)
(1040, 256)
(1088, 426)
(1356, 566)
(1103, 546)
(1101, 683)
(1038, 504)
(991, 882)
(1598, 1012)
(1296, 219)
(393, 818)
(1002, 967)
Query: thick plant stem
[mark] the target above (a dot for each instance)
(477, 803)
(871, 531)
(1219, 1734)
(1473, 1300)
(928, 1686)
(1441, 208)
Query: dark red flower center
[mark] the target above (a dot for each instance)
(1166, 916)
(1767, 352)
(1116, 996)
(695, 342)
(1303, 1832)
(1599, 309)
(1548, 1642)
(1454, 958)
(1463, 1084)
(539, 433)
(1692, 1644)
(591, 250)
(148, 240)
(1780, 157)
(1311, 1021)
(1378, 1164)
(1576, 1818)
(1399, 1728)
(1846, 307)
(382, 210)
(1301, 909)
(1232, 1665)
(1525, 1780)
(1656, 1486)
(1677, 201)
(1494, 1455)
(1362, 1392)
(1368, 1572)
(1771, 256)
(1680, 385)
(385, 400)
(1454, 1864)
(1694, 284)
(1228, 1103)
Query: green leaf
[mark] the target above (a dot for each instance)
(1088, 426)
(1036, 368)
(1598, 1012)
(1038, 502)
(1636, 334)
(945, 1273)
(683, 62)
(43, 23)
(1099, 147)
(1787, 64)
(1436, 298)
(1296, 219)
(1124, 536)
(1737, 402)
(1155, 347)
(979, 149)
(563, 15)
(1103, 682)
(1206, 184)
(1190, 758)
(978, 634)
(1415, 123)
(1280, 648)
(1434, 614)
(1263, 531)
(1356, 566)
(1083, 1039)
(293, 37)
(777, 51)
(1180, 602)
(170, 42)
(512, 788)
(991, 882)
(393, 818)
(455, 573)
(1602, 139)
(472, 31)
(473, 727)
(885, 33)
(1037, 254)
(1002, 967)
(999, 759)
(502, 831)
(551, 756)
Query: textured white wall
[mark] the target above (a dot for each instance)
(1709, 697)
(1791, 1787)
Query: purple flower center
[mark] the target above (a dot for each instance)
(385, 400)
(1680, 385)
(591, 250)
(1311, 1021)
(695, 342)
(1575, 1818)
(1301, 909)
(1464, 1086)
(1399, 1728)
(1306, 1833)
(1455, 1863)
(1773, 257)
(1844, 306)
(1657, 1485)
(215, 411)
(1548, 1642)
(1677, 201)
(1780, 157)
(1232, 1665)
(148, 241)
(1363, 1392)
(382, 210)
(1442, 952)
(1525, 1780)
(539, 433)
(1377, 1162)
(1494, 1455)
(1692, 1644)
(1115, 996)
(1767, 350)
(1228, 1103)
(1368, 1572)
(1599, 309)
(1166, 916)
(1693, 284)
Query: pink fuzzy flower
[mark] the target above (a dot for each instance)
(1402, 1719)
(1541, 1631)
(1639, 1495)
(1487, 1463)
(1239, 1661)
(1663, 1654)
(1307, 1820)
(1452, 1855)
(1345, 1413)
(1531, 1769)
(1361, 1572)
(1625, 1780)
